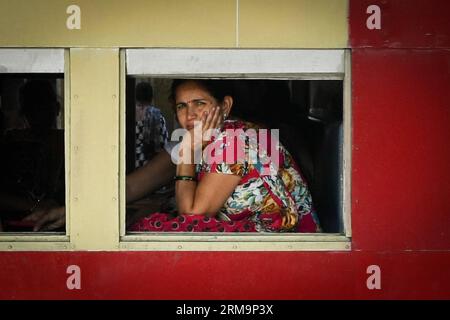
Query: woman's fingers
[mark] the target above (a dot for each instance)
(207, 122)
(211, 124)
(38, 225)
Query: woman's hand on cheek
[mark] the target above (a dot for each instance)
(211, 119)
(200, 135)
(210, 122)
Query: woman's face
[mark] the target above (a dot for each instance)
(191, 101)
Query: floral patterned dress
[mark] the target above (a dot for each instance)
(272, 195)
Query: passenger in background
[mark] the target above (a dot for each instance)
(267, 103)
(151, 131)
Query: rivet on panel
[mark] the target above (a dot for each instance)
(114, 198)
(234, 246)
(180, 247)
(10, 246)
(75, 96)
(75, 199)
(114, 96)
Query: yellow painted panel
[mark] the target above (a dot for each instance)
(94, 134)
(118, 23)
(293, 23)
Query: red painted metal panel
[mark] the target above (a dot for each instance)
(404, 24)
(222, 275)
(401, 154)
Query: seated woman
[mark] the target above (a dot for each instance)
(218, 195)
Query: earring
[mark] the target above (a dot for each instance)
(224, 116)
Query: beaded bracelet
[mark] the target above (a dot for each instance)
(185, 178)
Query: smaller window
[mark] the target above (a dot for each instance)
(32, 165)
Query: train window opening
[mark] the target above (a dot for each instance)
(305, 94)
(308, 115)
(32, 163)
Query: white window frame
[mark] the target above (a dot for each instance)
(29, 61)
(240, 64)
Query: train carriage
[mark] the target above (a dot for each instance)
(366, 94)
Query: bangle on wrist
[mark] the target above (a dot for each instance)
(185, 178)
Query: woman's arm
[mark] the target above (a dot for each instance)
(154, 174)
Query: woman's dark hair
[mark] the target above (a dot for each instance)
(218, 89)
(39, 103)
